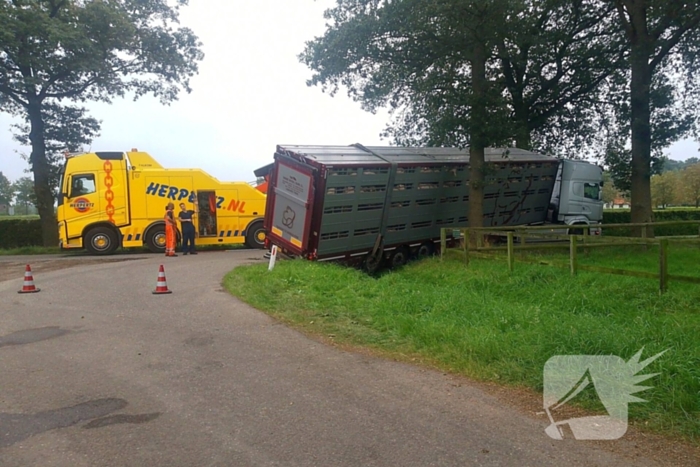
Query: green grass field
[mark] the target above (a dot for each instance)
(485, 323)
(683, 259)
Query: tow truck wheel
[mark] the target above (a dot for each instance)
(155, 239)
(101, 241)
(255, 235)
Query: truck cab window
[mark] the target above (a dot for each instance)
(82, 185)
(591, 191)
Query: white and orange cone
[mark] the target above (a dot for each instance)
(28, 286)
(161, 285)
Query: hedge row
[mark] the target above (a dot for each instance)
(662, 215)
(16, 233)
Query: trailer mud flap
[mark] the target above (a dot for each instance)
(293, 203)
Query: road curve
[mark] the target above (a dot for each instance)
(95, 370)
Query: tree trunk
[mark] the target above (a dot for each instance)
(477, 140)
(522, 138)
(40, 169)
(641, 136)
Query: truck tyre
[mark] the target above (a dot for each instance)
(255, 235)
(155, 239)
(399, 257)
(101, 241)
(577, 231)
(372, 263)
(425, 250)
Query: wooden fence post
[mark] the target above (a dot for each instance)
(443, 242)
(510, 251)
(572, 254)
(663, 265)
(465, 233)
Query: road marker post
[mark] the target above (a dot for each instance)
(273, 257)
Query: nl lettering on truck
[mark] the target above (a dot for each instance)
(109, 200)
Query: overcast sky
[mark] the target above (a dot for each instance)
(249, 96)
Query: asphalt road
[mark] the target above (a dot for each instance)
(95, 370)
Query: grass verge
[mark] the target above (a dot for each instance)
(683, 258)
(30, 250)
(482, 322)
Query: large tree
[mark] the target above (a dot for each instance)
(25, 196)
(7, 193)
(691, 184)
(429, 61)
(665, 189)
(659, 32)
(79, 50)
(67, 128)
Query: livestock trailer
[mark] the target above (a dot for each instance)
(347, 202)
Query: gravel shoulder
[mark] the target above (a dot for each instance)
(13, 267)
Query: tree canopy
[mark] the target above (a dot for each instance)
(53, 51)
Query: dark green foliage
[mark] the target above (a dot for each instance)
(545, 61)
(674, 165)
(16, 233)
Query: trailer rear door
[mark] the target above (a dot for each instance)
(292, 205)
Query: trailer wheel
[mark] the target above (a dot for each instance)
(101, 241)
(398, 257)
(155, 239)
(425, 250)
(373, 263)
(255, 235)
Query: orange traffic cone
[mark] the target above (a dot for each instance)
(28, 286)
(161, 285)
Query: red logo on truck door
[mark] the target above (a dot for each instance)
(82, 205)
